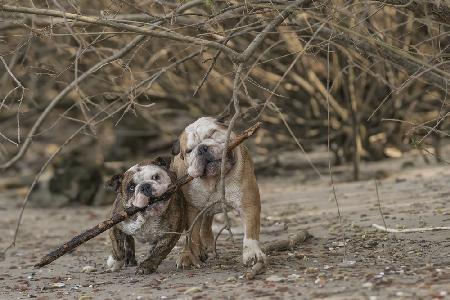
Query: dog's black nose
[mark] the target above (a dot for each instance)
(202, 149)
(146, 189)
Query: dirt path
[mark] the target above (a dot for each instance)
(379, 265)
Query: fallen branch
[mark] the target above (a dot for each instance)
(289, 244)
(117, 218)
(409, 230)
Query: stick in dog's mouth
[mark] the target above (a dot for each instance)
(212, 168)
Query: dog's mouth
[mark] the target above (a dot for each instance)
(212, 168)
(152, 209)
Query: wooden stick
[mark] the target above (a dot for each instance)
(289, 244)
(117, 218)
(408, 230)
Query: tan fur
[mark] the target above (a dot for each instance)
(242, 194)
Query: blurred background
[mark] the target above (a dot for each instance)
(344, 82)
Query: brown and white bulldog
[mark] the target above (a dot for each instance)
(153, 226)
(198, 153)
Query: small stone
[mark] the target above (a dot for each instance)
(311, 270)
(347, 263)
(274, 278)
(293, 277)
(194, 289)
(57, 285)
(367, 285)
(85, 297)
(231, 279)
(88, 269)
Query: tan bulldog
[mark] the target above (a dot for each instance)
(198, 153)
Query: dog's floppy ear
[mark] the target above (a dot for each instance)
(162, 161)
(223, 116)
(115, 182)
(176, 147)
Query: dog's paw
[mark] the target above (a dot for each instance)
(187, 259)
(203, 255)
(252, 252)
(145, 269)
(130, 262)
(113, 264)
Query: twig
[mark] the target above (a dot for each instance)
(379, 204)
(118, 54)
(114, 24)
(227, 139)
(257, 41)
(121, 216)
(43, 168)
(409, 230)
(329, 161)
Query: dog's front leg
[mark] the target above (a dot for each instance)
(250, 211)
(130, 256)
(191, 253)
(116, 260)
(158, 252)
(206, 234)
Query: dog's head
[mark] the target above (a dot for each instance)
(200, 147)
(143, 181)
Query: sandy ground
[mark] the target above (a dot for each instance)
(370, 265)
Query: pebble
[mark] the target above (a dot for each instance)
(275, 278)
(231, 279)
(194, 289)
(347, 263)
(88, 269)
(57, 285)
(293, 277)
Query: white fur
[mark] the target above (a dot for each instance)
(133, 168)
(114, 265)
(252, 251)
(131, 226)
(204, 131)
(198, 130)
(144, 175)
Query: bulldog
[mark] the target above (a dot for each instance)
(198, 152)
(158, 225)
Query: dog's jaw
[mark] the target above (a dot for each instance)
(113, 264)
(252, 252)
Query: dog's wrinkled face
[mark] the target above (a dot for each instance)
(200, 147)
(142, 181)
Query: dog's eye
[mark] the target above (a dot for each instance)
(155, 177)
(131, 187)
(188, 151)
